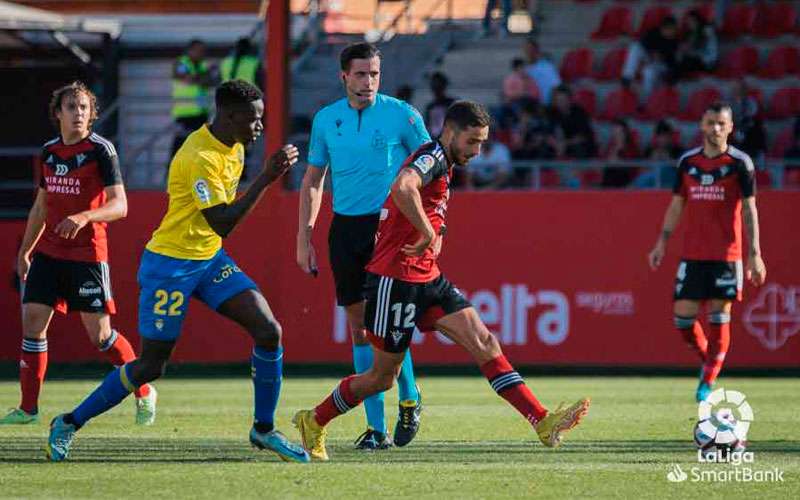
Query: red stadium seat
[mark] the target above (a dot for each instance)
(782, 143)
(738, 62)
(739, 20)
(784, 103)
(587, 99)
(616, 21)
(652, 18)
(781, 61)
(577, 64)
(774, 19)
(611, 66)
(620, 103)
(698, 102)
(662, 103)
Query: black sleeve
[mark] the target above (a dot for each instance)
(40, 173)
(747, 177)
(428, 166)
(108, 163)
(677, 187)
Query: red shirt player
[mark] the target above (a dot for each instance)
(405, 288)
(80, 192)
(715, 185)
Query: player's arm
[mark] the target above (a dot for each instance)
(671, 219)
(406, 195)
(756, 270)
(115, 206)
(310, 201)
(223, 218)
(37, 218)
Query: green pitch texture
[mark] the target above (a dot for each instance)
(471, 444)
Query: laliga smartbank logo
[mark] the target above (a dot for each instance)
(720, 434)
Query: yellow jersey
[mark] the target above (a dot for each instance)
(203, 173)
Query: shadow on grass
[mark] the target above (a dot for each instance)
(194, 451)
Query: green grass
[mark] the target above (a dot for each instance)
(472, 445)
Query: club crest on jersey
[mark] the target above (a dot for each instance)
(80, 158)
(378, 140)
(425, 163)
(201, 188)
(159, 324)
(62, 169)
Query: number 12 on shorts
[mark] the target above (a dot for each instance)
(172, 301)
(408, 321)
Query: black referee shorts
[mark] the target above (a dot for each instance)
(351, 241)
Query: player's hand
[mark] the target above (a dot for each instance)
(23, 264)
(656, 255)
(437, 246)
(756, 270)
(69, 227)
(282, 160)
(306, 255)
(418, 247)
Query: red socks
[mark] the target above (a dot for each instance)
(340, 401)
(119, 351)
(692, 333)
(719, 339)
(509, 385)
(32, 368)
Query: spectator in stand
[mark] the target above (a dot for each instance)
(543, 72)
(749, 133)
(572, 126)
(533, 136)
(491, 169)
(622, 145)
(519, 84)
(436, 109)
(487, 17)
(656, 53)
(699, 48)
(665, 150)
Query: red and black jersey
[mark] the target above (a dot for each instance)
(713, 189)
(74, 177)
(395, 230)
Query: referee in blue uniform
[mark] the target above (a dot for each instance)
(363, 139)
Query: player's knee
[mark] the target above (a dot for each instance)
(268, 334)
(683, 322)
(359, 336)
(487, 342)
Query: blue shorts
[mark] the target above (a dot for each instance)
(167, 283)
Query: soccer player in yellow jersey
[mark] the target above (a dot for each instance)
(185, 258)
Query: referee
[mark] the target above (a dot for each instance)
(363, 138)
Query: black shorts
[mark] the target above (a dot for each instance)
(395, 307)
(69, 284)
(351, 241)
(709, 279)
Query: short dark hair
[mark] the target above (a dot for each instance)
(361, 50)
(236, 92)
(465, 114)
(563, 87)
(669, 21)
(719, 107)
(517, 62)
(71, 90)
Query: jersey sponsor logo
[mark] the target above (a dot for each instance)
(89, 288)
(774, 315)
(63, 185)
(226, 272)
(425, 163)
(80, 158)
(203, 193)
(62, 169)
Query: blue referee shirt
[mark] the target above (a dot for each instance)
(364, 149)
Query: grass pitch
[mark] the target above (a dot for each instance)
(471, 444)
